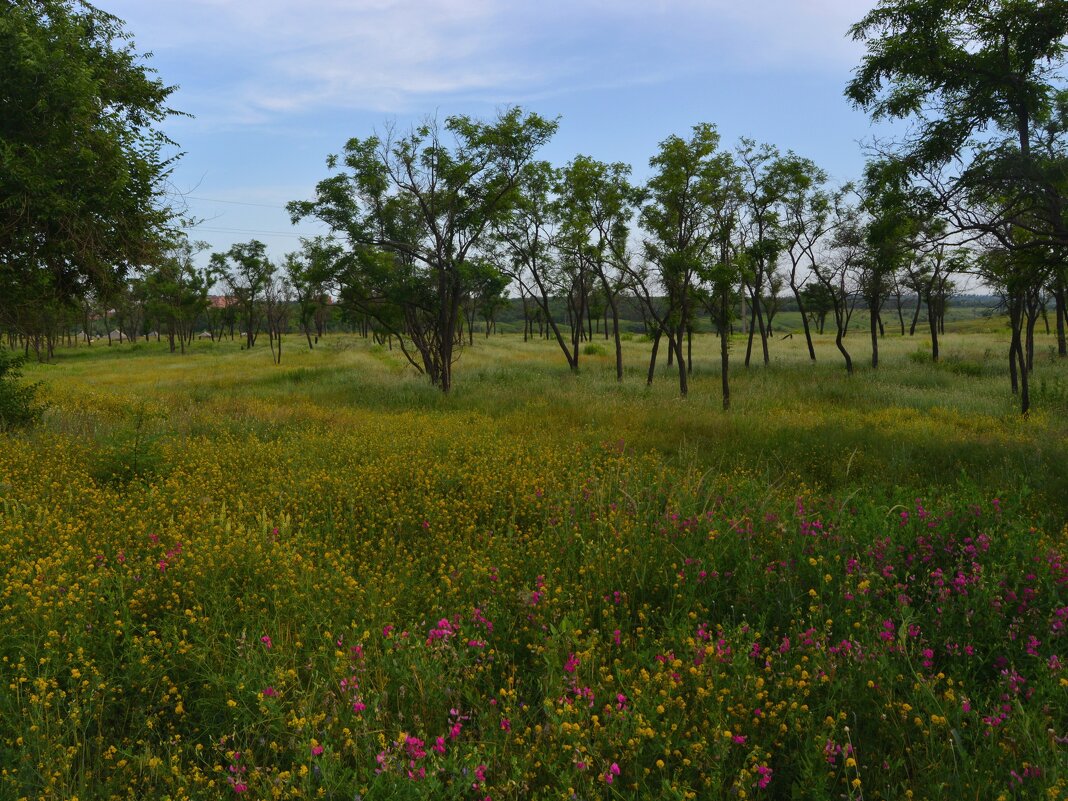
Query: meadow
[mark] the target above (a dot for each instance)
(325, 579)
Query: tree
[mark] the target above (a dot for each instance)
(277, 298)
(526, 239)
(692, 181)
(247, 272)
(597, 203)
(415, 209)
(980, 80)
(764, 184)
(890, 233)
(311, 273)
(836, 270)
(805, 214)
(176, 293)
(83, 170)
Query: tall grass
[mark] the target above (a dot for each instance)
(326, 579)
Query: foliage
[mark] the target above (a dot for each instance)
(176, 293)
(247, 273)
(688, 215)
(413, 212)
(82, 191)
(18, 400)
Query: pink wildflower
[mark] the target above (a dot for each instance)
(764, 772)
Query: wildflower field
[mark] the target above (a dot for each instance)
(223, 578)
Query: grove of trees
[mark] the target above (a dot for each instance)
(432, 231)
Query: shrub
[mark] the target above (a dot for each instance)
(18, 401)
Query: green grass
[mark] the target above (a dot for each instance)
(327, 579)
(911, 425)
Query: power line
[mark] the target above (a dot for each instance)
(244, 231)
(235, 202)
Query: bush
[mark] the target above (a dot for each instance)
(18, 401)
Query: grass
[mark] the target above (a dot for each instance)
(327, 579)
(911, 426)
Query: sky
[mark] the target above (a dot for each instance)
(272, 87)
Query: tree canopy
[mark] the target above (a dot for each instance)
(414, 210)
(82, 157)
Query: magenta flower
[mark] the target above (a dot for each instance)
(611, 773)
(266, 640)
(571, 664)
(764, 772)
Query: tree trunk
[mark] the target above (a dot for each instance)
(724, 356)
(1018, 361)
(618, 342)
(1031, 321)
(932, 321)
(916, 315)
(840, 321)
(675, 342)
(804, 324)
(873, 325)
(1060, 311)
(763, 331)
(652, 358)
(752, 332)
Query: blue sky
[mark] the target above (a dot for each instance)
(274, 86)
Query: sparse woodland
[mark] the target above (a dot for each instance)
(549, 481)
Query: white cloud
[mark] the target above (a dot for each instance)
(273, 58)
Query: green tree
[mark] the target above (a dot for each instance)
(415, 210)
(247, 272)
(525, 237)
(980, 80)
(684, 215)
(82, 163)
(597, 203)
(763, 187)
(311, 272)
(176, 292)
(806, 216)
